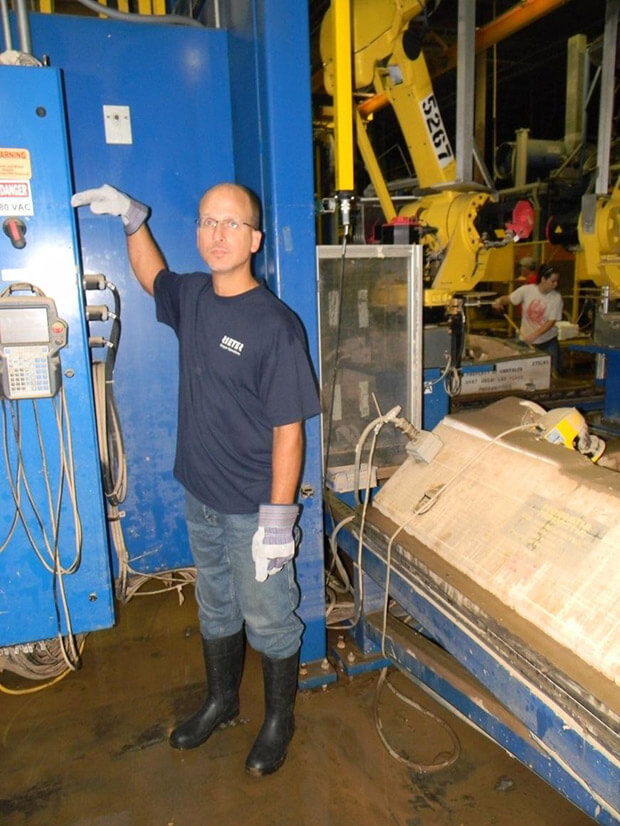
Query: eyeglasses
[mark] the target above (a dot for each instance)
(229, 224)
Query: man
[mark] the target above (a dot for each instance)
(542, 306)
(527, 270)
(245, 387)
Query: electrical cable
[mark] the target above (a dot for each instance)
(336, 562)
(50, 555)
(67, 649)
(375, 423)
(452, 381)
(41, 669)
(422, 507)
(113, 460)
(419, 768)
(330, 415)
(332, 394)
(378, 424)
(440, 378)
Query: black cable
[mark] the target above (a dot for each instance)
(336, 355)
(14, 492)
(7, 458)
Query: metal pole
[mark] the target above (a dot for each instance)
(23, 26)
(465, 90)
(607, 96)
(6, 25)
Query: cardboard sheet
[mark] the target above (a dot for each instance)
(534, 524)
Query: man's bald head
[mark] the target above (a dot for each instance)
(244, 193)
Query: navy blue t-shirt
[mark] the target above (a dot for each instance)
(243, 370)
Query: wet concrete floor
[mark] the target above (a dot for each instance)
(92, 750)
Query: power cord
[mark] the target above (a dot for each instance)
(129, 582)
(39, 664)
(374, 426)
(423, 506)
(49, 554)
(420, 768)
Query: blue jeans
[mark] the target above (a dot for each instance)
(226, 589)
(552, 347)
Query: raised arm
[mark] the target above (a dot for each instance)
(144, 255)
(145, 258)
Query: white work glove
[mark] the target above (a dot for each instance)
(105, 200)
(273, 544)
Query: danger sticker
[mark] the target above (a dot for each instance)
(15, 198)
(15, 163)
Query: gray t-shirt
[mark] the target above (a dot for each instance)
(537, 309)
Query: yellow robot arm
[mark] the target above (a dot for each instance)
(599, 236)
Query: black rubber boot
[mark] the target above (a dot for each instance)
(224, 664)
(269, 751)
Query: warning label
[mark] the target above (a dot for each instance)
(15, 198)
(15, 163)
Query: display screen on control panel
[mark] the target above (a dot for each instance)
(24, 325)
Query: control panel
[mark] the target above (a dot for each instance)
(31, 336)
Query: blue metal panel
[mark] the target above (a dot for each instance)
(175, 81)
(611, 408)
(33, 119)
(273, 154)
(436, 402)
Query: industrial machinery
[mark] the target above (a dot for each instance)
(489, 571)
(458, 222)
(54, 562)
(485, 568)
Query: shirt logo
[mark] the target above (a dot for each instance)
(536, 312)
(232, 345)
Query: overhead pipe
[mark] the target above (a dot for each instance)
(515, 19)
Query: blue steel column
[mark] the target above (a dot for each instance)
(272, 127)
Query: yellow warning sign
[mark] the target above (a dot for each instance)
(15, 163)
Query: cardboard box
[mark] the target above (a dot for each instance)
(498, 366)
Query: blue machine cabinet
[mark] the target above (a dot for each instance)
(33, 153)
(206, 105)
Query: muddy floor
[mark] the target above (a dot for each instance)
(92, 750)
